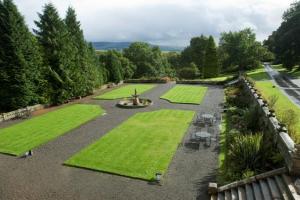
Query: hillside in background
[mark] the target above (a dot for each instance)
(122, 45)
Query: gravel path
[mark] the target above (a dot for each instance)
(44, 177)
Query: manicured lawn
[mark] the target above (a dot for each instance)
(24, 136)
(185, 94)
(220, 78)
(259, 75)
(125, 91)
(139, 147)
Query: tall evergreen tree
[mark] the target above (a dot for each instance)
(211, 64)
(20, 61)
(57, 52)
(87, 73)
(195, 52)
(79, 71)
(114, 67)
(96, 72)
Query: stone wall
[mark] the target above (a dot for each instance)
(22, 112)
(25, 112)
(289, 150)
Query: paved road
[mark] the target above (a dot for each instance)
(289, 86)
(44, 177)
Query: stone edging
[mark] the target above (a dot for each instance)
(287, 147)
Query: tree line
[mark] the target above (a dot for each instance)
(285, 41)
(54, 63)
(238, 50)
(52, 66)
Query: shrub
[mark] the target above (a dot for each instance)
(190, 72)
(272, 101)
(294, 134)
(245, 153)
(248, 173)
(251, 118)
(289, 117)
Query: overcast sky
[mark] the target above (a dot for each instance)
(166, 22)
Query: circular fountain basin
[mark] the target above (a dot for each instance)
(128, 103)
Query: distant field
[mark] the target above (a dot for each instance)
(24, 136)
(125, 91)
(140, 147)
(185, 94)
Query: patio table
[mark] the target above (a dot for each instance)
(202, 135)
(208, 118)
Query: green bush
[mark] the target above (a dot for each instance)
(190, 72)
(245, 153)
(252, 119)
(272, 101)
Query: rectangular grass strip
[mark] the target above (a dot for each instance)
(125, 91)
(185, 94)
(24, 136)
(139, 147)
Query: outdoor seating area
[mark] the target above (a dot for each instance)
(206, 129)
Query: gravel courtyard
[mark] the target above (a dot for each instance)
(44, 177)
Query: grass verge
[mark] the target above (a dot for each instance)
(283, 104)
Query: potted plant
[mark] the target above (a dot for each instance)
(282, 127)
(265, 103)
(259, 95)
(272, 113)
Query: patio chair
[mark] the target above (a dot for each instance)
(200, 120)
(208, 141)
(210, 130)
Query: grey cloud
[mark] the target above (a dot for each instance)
(169, 22)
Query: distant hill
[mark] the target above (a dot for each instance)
(122, 45)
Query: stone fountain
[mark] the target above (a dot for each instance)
(134, 102)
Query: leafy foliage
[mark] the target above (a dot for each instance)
(284, 42)
(245, 152)
(19, 58)
(240, 49)
(190, 72)
(248, 147)
(72, 66)
(211, 66)
(148, 60)
(195, 52)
